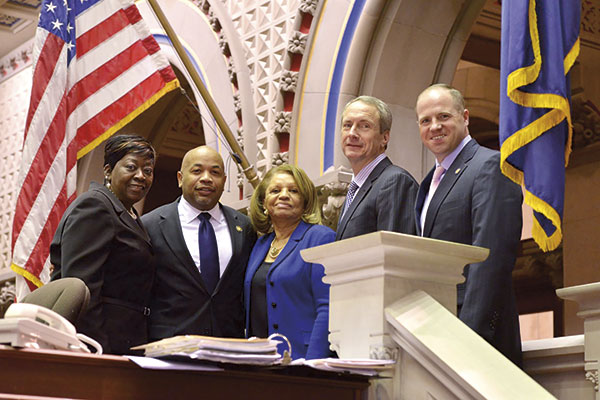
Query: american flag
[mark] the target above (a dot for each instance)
(95, 68)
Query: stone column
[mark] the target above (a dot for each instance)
(369, 272)
(588, 298)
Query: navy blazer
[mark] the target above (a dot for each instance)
(476, 204)
(98, 242)
(297, 297)
(385, 202)
(181, 304)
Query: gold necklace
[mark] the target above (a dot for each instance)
(274, 251)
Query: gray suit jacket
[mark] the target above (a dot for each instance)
(476, 204)
(385, 202)
(180, 302)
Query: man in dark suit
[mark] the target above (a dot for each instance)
(381, 195)
(466, 199)
(193, 294)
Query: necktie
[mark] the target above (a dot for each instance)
(352, 188)
(209, 252)
(437, 177)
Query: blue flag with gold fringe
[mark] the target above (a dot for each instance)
(540, 43)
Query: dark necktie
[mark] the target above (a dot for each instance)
(352, 188)
(209, 252)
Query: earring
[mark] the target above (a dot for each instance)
(106, 182)
(266, 212)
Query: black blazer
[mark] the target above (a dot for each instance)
(385, 202)
(476, 204)
(181, 305)
(100, 243)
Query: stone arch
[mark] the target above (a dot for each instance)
(391, 50)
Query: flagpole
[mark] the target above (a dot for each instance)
(238, 154)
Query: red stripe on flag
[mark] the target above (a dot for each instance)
(43, 73)
(118, 110)
(133, 14)
(105, 74)
(168, 74)
(40, 167)
(98, 34)
(40, 251)
(151, 44)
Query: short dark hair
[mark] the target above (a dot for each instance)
(119, 146)
(311, 214)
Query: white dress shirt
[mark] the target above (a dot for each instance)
(446, 163)
(363, 174)
(188, 216)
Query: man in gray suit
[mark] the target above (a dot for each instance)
(381, 195)
(192, 295)
(466, 199)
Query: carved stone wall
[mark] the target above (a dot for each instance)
(14, 101)
(7, 295)
(586, 122)
(266, 29)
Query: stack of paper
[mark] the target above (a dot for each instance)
(237, 351)
(363, 366)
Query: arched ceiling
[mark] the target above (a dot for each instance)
(18, 20)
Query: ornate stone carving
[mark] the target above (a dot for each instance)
(203, 5)
(308, 6)
(240, 179)
(237, 103)
(266, 29)
(7, 295)
(16, 60)
(590, 17)
(240, 137)
(288, 81)
(297, 43)
(333, 196)
(592, 376)
(586, 122)
(534, 264)
(214, 22)
(383, 353)
(279, 158)
(283, 122)
(223, 44)
(231, 71)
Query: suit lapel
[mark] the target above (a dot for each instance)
(421, 195)
(360, 195)
(124, 216)
(237, 236)
(259, 252)
(457, 168)
(290, 246)
(170, 227)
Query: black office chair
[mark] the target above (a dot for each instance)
(68, 297)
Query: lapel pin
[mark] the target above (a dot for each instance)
(238, 228)
(457, 171)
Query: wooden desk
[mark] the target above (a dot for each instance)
(62, 374)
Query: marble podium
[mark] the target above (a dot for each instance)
(370, 272)
(393, 296)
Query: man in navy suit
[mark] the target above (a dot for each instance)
(184, 299)
(381, 195)
(466, 199)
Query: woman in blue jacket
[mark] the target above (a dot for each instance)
(282, 292)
